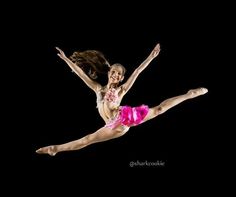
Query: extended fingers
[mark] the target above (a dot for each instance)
(157, 47)
(59, 50)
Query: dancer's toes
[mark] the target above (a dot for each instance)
(51, 150)
(197, 92)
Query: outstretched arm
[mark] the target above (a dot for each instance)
(89, 82)
(128, 84)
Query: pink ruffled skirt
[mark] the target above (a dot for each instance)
(129, 116)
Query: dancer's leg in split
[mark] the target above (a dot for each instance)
(171, 102)
(103, 134)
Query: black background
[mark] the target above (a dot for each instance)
(52, 105)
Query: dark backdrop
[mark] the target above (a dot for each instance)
(52, 105)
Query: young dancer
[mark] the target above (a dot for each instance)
(118, 118)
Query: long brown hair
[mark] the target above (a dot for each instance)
(92, 62)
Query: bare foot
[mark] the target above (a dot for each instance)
(197, 92)
(51, 150)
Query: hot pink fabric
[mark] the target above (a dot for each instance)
(129, 116)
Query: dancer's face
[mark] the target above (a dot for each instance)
(115, 75)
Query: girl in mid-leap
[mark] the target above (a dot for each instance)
(118, 118)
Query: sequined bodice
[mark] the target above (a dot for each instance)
(110, 96)
(108, 102)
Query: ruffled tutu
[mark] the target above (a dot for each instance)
(129, 116)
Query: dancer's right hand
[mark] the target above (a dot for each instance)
(61, 54)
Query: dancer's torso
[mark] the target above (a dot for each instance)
(108, 102)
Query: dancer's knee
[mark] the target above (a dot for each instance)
(86, 140)
(159, 110)
(120, 130)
